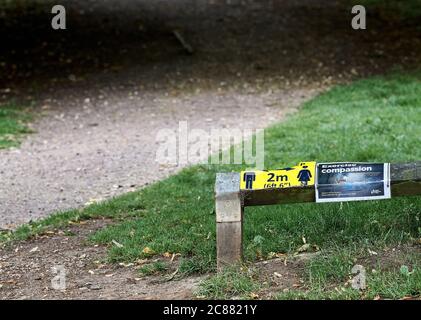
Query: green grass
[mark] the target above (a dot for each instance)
(12, 125)
(153, 268)
(121, 208)
(328, 277)
(232, 282)
(371, 120)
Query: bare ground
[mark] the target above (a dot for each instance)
(26, 271)
(104, 87)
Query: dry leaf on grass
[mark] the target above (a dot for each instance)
(254, 295)
(304, 248)
(141, 261)
(117, 244)
(147, 250)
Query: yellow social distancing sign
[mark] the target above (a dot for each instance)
(301, 175)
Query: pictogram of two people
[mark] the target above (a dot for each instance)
(304, 176)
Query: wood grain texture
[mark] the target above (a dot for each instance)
(229, 244)
(405, 181)
(230, 202)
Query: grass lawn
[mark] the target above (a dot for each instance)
(12, 125)
(371, 120)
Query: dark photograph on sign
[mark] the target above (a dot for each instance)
(352, 181)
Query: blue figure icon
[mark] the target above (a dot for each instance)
(304, 176)
(249, 177)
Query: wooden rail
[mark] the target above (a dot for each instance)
(230, 202)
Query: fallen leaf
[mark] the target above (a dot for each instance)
(117, 244)
(271, 255)
(141, 261)
(147, 250)
(172, 275)
(408, 298)
(372, 253)
(254, 295)
(126, 265)
(93, 201)
(174, 255)
(304, 248)
(11, 281)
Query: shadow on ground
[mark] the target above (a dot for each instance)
(133, 42)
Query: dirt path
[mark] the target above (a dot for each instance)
(107, 146)
(26, 271)
(118, 75)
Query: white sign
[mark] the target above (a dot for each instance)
(350, 181)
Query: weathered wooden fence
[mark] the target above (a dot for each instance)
(230, 202)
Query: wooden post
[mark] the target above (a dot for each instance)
(229, 219)
(405, 179)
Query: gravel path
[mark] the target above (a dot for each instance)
(103, 148)
(106, 86)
